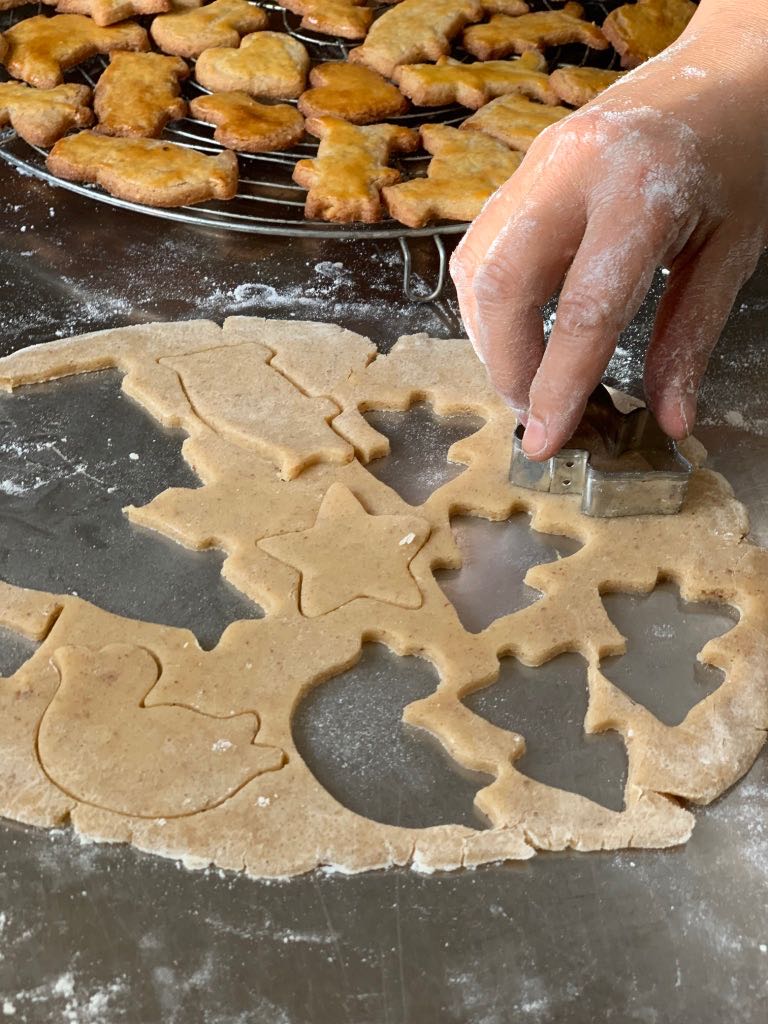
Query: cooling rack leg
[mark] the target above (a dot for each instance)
(410, 294)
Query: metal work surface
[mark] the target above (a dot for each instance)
(101, 934)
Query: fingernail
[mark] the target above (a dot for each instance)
(535, 436)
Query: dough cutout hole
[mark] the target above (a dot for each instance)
(351, 735)
(496, 557)
(547, 706)
(417, 464)
(15, 650)
(81, 451)
(664, 635)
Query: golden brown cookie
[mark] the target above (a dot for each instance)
(351, 167)
(472, 85)
(186, 33)
(512, 7)
(40, 49)
(414, 30)
(351, 91)
(640, 30)
(244, 124)
(41, 116)
(139, 93)
(350, 19)
(270, 64)
(108, 12)
(503, 35)
(149, 171)
(514, 120)
(465, 170)
(578, 86)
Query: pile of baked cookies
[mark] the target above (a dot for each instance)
(249, 73)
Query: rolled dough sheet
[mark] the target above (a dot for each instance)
(134, 733)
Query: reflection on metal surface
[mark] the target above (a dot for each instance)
(350, 732)
(496, 557)
(419, 440)
(664, 635)
(547, 705)
(72, 455)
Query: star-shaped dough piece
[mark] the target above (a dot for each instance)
(356, 93)
(41, 49)
(273, 65)
(109, 12)
(247, 125)
(503, 35)
(139, 93)
(349, 19)
(41, 116)
(472, 85)
(578, 86)
(349, 554)
(641, 30)
(465, 170)
(514, 120)
(186, 33)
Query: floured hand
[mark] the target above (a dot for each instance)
(669, 167)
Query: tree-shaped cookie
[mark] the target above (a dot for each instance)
(578, 86)
(351, 167)
(503, 35)
(352, 92)
(40, 49)
(108, 12)
(266, 64)
(472, 85)
(349, 19)
(149, 171)
(514, 120)
(41, 116)
(640, 30)
(187, 33)
(466, 168)
(139, 93)
(101, 743)
(415, 30)
(247, 125)
(349, 554)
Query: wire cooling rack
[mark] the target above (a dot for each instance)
(268, 202)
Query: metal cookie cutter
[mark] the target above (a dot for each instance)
(621, 463)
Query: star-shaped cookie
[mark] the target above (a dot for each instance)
(349, 554)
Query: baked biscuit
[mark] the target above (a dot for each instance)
(139, 93)
(40, 49)
(41, 116)
(465, 170)
(640, 30)
(244, 124)
(514, 120)
(351, 167)
(413, 31)
(578, 86)
(149, 171)
(472, 85)
(269, 64)
(503, 35)
(108, 12)
(349, 19)
(351, 91)
(186, 33)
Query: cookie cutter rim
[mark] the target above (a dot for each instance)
(608, 493)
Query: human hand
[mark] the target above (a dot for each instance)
(669, 167)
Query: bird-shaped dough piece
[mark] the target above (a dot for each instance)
(639, 31)
(351, 91)
(188, 32)
(244, 124)
(472, 85)
(503, 35)
(41, 116)
(514, 120)
(109, 12)
(41, 49)
(103, 744)
(578, 86)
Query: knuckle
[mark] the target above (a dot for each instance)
(582, 314)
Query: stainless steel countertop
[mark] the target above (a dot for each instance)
(106, 934)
